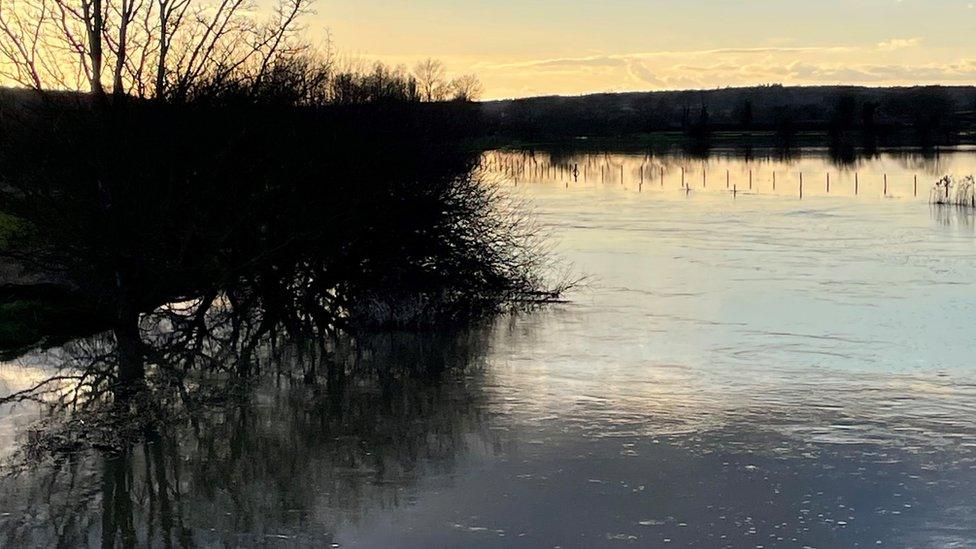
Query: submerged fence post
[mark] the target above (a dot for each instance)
(662, 177)
(828, 182)
(915, 189)
(703, 178)
(682, 177)
(801, 184)
(750, 180)
(886, 184)
(774, 180)
(855, 183)
(727, 178)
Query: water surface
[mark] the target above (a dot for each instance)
(742, 369)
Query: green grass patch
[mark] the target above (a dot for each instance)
(11, 227)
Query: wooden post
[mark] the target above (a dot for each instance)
(855, 183)
(828, 182)
(886, 184)
(916, 185)
(801, 185)
(682, 177)
(621, 174)
(774, 180)
(727, 177)
(703, 178)
(662, 177)
(750, 180)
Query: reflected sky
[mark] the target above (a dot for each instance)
(737, 371)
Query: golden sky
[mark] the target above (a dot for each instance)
(539, 47)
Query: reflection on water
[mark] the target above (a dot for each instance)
(291, 461)
(810, 172)
(736, 373)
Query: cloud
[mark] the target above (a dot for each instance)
(622, 59)
(640, 73)
(596, 61)
(893, 44)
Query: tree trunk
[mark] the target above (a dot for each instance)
(163, 51)
(95, 26)
(131, 366)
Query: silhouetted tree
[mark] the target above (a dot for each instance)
(466, 87)
(431, 80)
(168, 49)
(746, 114)
(845, 114)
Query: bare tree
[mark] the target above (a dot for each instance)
(194, 48)
(21, 27)
(466, 87)
(431, 81)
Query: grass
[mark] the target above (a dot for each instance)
(949, 191)
(9, 227)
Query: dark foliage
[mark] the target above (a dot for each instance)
(309, 220)
(922, 115)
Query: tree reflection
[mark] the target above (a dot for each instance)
(330, 434)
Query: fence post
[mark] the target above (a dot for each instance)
(801, 185)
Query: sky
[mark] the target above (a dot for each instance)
(524, 48)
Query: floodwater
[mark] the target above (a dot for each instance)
(739, 369)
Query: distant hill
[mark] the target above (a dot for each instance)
(930, 113)
(847, 115)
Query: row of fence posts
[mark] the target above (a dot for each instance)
(549, 170)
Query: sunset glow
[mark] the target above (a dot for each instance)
(545, 47)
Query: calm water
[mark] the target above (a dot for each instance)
(747, 370)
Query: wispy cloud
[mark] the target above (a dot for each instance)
(616, 60)
(866, 64)
(893, 44)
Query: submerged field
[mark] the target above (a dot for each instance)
(747, 369)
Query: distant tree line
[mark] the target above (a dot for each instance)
(931, 114)
(427, 82)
